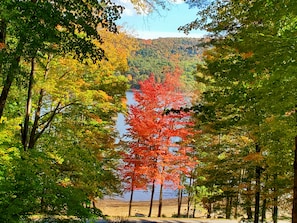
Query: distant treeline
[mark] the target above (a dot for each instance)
(163, 55)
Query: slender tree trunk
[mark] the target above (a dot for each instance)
(7, 84)
(4, 93)
(236, 208)
(32, 139)
(275, 209)
(152, 199)
(160, 201)
(241, 172)
(263, 212)
(189, 205)
(33, 134)
(249, 211)
(179, 202)
(130, 201)
(195, 203)
(194, 211)
(189, 197)
(294, 211)
(2, 32)
(209, 209)
(25, 130)
(258, 188)
(228, 206)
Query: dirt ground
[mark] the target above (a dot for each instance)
(118, 209)
(113, 207)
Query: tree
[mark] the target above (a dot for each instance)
(31, 29)
(252, 56)
(70, 133)
(159, 142)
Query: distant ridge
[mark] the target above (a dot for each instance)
(162, 55)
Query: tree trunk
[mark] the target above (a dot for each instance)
(258, 188)
(189, 197)
(160, 201)
(195, 204)
(275, 209)
(294, 211)
(7, 84)
(33, 134)
(209, 209)
(2, 32)
(241, 173)
(228, 206)
(249, 211)
(194, 211)
(179, 202)
(263, 214)
(130, 201)
(33, 138)
(25, 130)
(4, 93)
(152, 199)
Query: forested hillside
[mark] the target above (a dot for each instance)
(161, 55)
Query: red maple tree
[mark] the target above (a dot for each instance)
(159, 153)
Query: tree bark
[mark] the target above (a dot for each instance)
(7, 84)
(249, 211)
(2, 32)
(275, 209)
(160, 201)
(130, 201)
(33, 138)
(241, 172)
(189, 197)
(258, 188)
(228, 206)
(179, 202)
(194, 211)
(25, 130)
(33, 134)
(152, 199)
(209, 209)
(263, 214)
(4, 93)
(195, 203)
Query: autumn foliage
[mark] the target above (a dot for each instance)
(159, 151)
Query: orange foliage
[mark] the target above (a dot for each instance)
(2, 46)
(257, 157)
(247, 55)
(154, 156)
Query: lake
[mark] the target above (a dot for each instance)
(139, 195)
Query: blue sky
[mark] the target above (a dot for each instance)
(162, 24)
